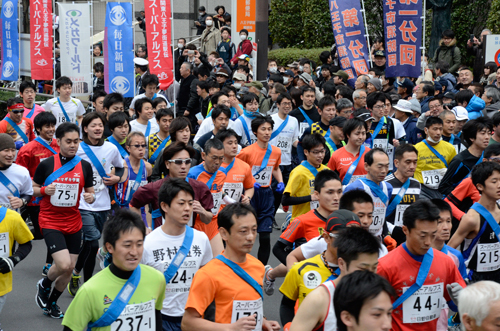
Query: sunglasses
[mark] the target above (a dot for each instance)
(180, 161)
(18, 111)
(139, 146)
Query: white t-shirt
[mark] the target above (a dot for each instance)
(318, 245)
(110, 157)
(143, 95)
(20, 177)
(159, 250)
(399, 132)
(286, 138)
(136, 126)
(206, 126)
(240, 131)
(74, 108)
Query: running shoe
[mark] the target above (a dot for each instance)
(42, 296)
(104, 258)
(74, 284)
(45, 270)
(54, 311)
(268, 283)
(288, 219)
(275, 225)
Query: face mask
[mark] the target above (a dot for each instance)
(243, 36)
(301, 68)
(414, 96)
(180, 46)
(201, 12)
(433, 141)
(209, 22)
(285, 80)
(273, 70)
(237, 86)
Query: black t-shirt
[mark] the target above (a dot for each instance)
(46, 168)
(312, 113)
(203, 139)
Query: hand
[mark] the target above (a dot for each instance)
(19, 144)
(395, 142)
(50, 189)
(312, 84)
(197, 23)
(256, 186)
(112, 180)
(197, 54)
(220, 61)
(244, 323)
(88, 197)
(469, 44)
(186, 113)
(185, 52)
(476, 41)
(198, 208)
(199, 122)
(245, 199)
(6, 265)
(270, 325)
(281, 187)
(315, 196)
(15, 202)
(390, 243)
(453, 290)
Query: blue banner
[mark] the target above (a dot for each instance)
(10, 41)
(349, 32)
(403, 37)
(119, 49)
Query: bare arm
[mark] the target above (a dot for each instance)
(468, 226)
(277, 175)
(192, 321)
(313, 312)
(294, 257)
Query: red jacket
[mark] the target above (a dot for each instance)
(245, 47)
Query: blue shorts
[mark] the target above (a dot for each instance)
(171, 323)
(263, 203)
(92, 223)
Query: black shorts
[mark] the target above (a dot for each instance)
(57, 241)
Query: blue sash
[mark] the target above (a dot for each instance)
(242, 274)
(97, 165)
(376, 189)
(309, 167)
(44, 144)
(135, 186)
(265, 160)
(245, 128)
(330, 142)
(308, 119)
(120, 302)
(63, 110)
(421, 276)
(180, 256)
(379, 126)
(210, 182)
(488, 217)
(334, 276)
(154, 96)
(229, 167)
(18, 129)
(158, 150)
(452, 139)
(30, 114)
(279, 129)
(8, 184)
(148, 129)
(115, 142)
(397, 199)
(353, 166)
(436, 153)
(3, 212)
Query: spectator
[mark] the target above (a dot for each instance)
(340, 77)
(210, 37)
(181, 44)
(344, 108)
(226, 48)
(465, 78)
(388, 84)
(220, 18)
(373, 85)
(492, 78)
(187, 88)
(141, 69)
(142, 24)
(491, 98)
(378, 45)
(441, 70)
(425, 92)
(98, 79)
(244, 47)
(489, 68)
(270, 103)
(344, 92)
(379, 61)
(142, 51)
(97, 51)
(200, 23)
(475, 48)
(405, 88)
(477, 89)
(404, 113)
(473, 104)
(361, 82)
(448, 51)
(359, 99)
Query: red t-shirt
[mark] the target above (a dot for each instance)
(341, 160)
(253, 156)
(304, 226)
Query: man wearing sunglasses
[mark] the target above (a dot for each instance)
(18, 127)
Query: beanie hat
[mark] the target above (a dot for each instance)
(377, 83)
(6, 141)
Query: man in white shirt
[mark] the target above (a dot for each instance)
(150, 85)
(145, 121)
(65, 108)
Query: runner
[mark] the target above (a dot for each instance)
(218, 99)
(307, 114)
(242, 125)
(434, 156)
(462, 116)
(161, 139)
(336, 138)
(220, 118)
(108, 168)
(477, 134)
(348, 161)
(449, 124)
(420, 302)
(64, 107)
(139, 306)
(119, 125)
(59, 218)
(27, 91)
(357, 249)
(98, 101)
(305, 276)
(232, 280)
(15, 125)
(150, 84)
(112, 103)
(209, 172)
(264, 159)
(478, 230)
(175, 249)
(15, 181)
(377, 167)
(145, 121)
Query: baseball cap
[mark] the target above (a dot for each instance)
(341, 219)
(338, 121)
(239, 76)
(294, 64)
(449, 95)
(380, 53)
(366, 116)
(342, 74)
(255, 84)
(415, 106)
(222, 72)
(244, 57)
(305, 77)
(460, 112)
(140, 61)
(406, 83)
(404, 106)
(289, 73)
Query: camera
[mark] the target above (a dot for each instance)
(450, 105)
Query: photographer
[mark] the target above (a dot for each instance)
(200, 23)
(475, 48)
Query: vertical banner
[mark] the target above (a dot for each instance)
(41, 40)
(159, 36)
(403, 37)
(119, 49)
(349, 32)
(74, 32)
(10, 41)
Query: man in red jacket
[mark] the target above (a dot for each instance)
(244, 47)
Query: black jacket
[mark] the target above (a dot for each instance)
(185, 92)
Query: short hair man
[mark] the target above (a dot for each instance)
(479, 306)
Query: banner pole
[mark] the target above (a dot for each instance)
(423, 39)
(367, 34)
(133, 46)
(172, 45)
(18, 82)
(92, 46)
(54, 50)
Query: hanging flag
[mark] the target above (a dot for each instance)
(10, 41)
(119, 49)
(41, 40)
(403, 37)
(159, 37)
(349, 32)
(74, 32)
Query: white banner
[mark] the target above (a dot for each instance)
(74, 31)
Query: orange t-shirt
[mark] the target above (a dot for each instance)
(253, 155)
(341, 160)
(216, 282)
(304, 226)
(238, 179)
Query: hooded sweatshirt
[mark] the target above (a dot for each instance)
(475, 107)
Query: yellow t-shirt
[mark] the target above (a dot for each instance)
(12, 228)
(430, 169)
(304, 277)
(301, 183)
(154, 142)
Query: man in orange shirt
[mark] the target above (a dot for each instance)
(18, 127)
(232, 280)
(349, 160)
(264, 160)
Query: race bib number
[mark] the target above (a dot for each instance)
(380, 143)
(217, 201)
(135, 317)
(233, 190)
(488, 257)
(263, 177)
(285, 144)
(398, 217)
(378, 218)
(424, 305)
(97, 182)
(432, 178)
(4, 244)
(243, 308)
(66, 195)
(61, 118)
(303, 127)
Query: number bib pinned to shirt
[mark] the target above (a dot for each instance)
(424, 305)
(233, 190)
(398, 217)
(380, 143)
(263, 177)
(244, 308)
(285, 144)
(488, 257)
(66, 195)
(61, 118)
(217, 196)
(135, 317)
(4, 244)
(303, 127)
(432, 178)
(98, 182)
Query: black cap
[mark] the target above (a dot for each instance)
(449, 95)
(338, 121)
(202, 8)
(341, 219)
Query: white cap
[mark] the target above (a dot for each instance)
(460, 113)
(404, 106)
(140, 61)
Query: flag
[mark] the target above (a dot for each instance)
(41, 40)
(10, 41)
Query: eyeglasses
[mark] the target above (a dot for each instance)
(286, 104)
(180, 161)
(316, 152)
(380, 107)
(140, 146)
(435, 107)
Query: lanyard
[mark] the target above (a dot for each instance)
(245, 128)
(263, 165)
(279, 129)
(376, 189)
(242, 274)
(18, 129)
(229, 167)
(30, 114)
(115, 142)
(308, 119)
(181, 254)
(44, 144)
(439, 156)
(353, 166)
(158, 150)
(8, 184)
(148, 129)
(397, 199)
(488, 217)
(63, 110)
(93, 159)
(309, 167)
(379, 126)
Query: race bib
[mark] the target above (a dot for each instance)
(355, 177)
(61, 118)
(398, 217)
(135, 317)
(432, 178)
(488, 257)
(233, 190)
(424, 305)
(263, 177)
(303, 127)
(66, 195)
(4, 244)
(217, 201)
(380, 143)
(243, 308)
(97, 182)
(285, 144)
(378, 218)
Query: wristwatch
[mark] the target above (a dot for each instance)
(25, 202)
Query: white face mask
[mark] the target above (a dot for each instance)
(433, 141)
(180, 45)
(243, 36)
(301, 68)
(273, 70)
(209, 22)
(285, 80)
(237, 86)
